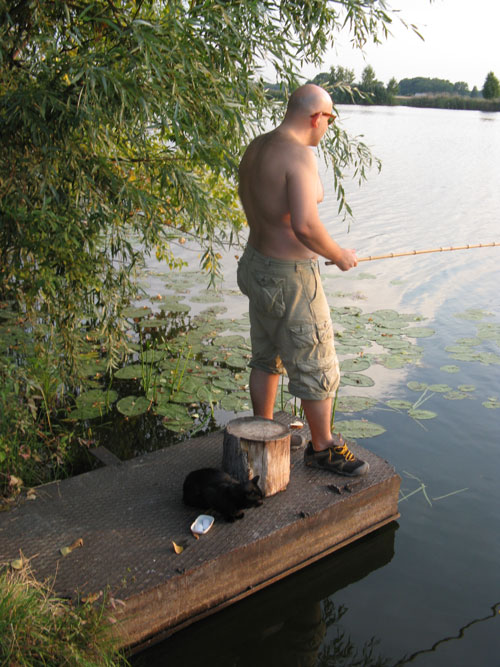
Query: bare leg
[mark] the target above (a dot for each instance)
(318, 415)
(263, 388)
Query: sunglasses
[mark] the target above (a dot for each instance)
(331, 116)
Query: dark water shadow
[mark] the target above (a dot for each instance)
(284, 624)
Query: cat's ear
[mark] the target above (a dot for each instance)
(255, 480)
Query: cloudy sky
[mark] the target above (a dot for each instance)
(462, 43)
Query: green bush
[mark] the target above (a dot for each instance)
(33, 446)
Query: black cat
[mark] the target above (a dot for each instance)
(211, 488)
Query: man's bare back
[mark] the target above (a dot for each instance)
(263, 192)
(279, 188)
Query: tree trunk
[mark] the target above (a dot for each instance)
(257, 446)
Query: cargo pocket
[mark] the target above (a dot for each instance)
(308, 335)
(304, 335)
(269, 295)
(319, 375)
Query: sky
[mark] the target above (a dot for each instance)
(461, 43)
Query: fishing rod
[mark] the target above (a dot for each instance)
(423, 252)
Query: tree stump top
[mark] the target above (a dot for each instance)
(256, 428)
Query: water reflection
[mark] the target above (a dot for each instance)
(288, 624)
(495, 610)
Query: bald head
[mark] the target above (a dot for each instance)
(307, 100)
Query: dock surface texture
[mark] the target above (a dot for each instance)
(130, 514)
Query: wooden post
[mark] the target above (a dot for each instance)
(257, 446)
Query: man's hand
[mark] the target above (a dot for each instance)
(347, 259)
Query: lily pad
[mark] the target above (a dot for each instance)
(207, 394)
(154, 323)
(97, 398)
(492, 403)
(182, 279)
(392, 361)
(208, 296)
(151, 356)
(233, 403)
(417, 386)
(191, 383)
(356, 380)
(488, 330)
(87, 412)
(489, 358)
(355, 403)
(455, 395)
(385, 315)
(172, 411)
(93, 403)
(213, 310)
(450, 368)
(439, 388)
(464, 355)
(398, 404)
(235, 361)
(419, 332)
(356, 364)
(172, 304)
(178, 427)
(421, 414)
(466, 387)
(394, 343)
(469, 341)
(184, 397)
(132, 406)
(473, 314)
(136, 312)
(228, 383)
(358, 428)
(130, 372)
(340, 311)
(342, 349)
(229, 341)
(94, 368)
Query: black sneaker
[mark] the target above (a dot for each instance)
(337, 459)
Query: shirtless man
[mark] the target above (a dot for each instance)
(290, 322)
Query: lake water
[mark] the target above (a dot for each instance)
(425, 590)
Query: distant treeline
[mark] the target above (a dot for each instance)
(417, 92)
(424, 86)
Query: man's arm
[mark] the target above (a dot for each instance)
(302, 179)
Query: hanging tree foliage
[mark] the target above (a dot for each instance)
(121, 123)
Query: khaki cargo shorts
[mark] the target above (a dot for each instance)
(290, 323)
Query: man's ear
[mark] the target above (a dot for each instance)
(315, 119)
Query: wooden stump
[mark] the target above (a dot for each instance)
(257, 446)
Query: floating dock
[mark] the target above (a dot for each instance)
(129, 515)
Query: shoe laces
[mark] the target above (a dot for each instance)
(344, 451)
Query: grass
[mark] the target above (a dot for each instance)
(37, 628)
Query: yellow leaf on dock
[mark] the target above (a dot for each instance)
(178, 548)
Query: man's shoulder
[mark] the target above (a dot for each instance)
(278, 152)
